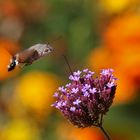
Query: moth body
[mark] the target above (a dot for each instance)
(28, 56)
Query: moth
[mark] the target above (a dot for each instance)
(28, 56)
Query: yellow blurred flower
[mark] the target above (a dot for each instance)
(19, 130)
(34, 89)
(116, 6)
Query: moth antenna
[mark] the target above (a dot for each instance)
(67, 62)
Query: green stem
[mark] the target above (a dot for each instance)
(102, 129)
(104, 132)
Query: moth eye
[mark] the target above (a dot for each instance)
(46, 50)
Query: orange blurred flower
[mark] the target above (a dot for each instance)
(121, 52)
(67, 132)
(4, 61)
(123, 37)
(123, 33)
(23, 9)
(86, 134)
(33, 9)
(7, 49)
(104, 58)
(9, 8)
(34, 89)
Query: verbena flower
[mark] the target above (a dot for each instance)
(86, 97)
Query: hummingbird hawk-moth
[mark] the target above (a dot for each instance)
(28, 56)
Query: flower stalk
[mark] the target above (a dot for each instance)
(100, 126)
(104, 132)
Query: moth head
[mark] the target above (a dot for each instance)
(48, 48)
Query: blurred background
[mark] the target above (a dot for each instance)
(93, 34)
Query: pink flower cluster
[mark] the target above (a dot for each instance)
(86, 97)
